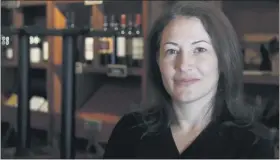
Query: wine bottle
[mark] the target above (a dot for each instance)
(103, 44)
(35, 49)
(45, 50)
(70, 23)
(6, 46)
(137, 43)
(89, 46)
(266, 63)
(129, 37)
(44, 46)
(121, 41)
(70, 20)
(111, 48)
(273, 47)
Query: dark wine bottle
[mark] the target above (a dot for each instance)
(129, 38)
(44, 40)
(111, 48)
(266, 63)
(103, 44)
(70, 23)
(137, 43)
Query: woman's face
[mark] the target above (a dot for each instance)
(187, 60)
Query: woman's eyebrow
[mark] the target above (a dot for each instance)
(199, 41)
(173, 43)
(195, 42)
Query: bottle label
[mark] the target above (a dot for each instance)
(110, 42)
(45, 50)
(103, 45)
(5, 40)
(9, 53)
(121, 47)
(35, 54)
(34, 40)
(89, 48)
(129, 46)
(137, 48)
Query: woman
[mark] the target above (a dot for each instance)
(196, 66)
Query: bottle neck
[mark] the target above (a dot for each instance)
(70, 20)
(105, 23)
(123, 21)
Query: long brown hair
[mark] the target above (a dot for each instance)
(229, 96)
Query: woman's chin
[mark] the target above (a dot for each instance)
(183, 98)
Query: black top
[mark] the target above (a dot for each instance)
(215, 141)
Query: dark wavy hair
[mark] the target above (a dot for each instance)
(228, 101)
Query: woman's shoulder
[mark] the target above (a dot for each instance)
(130, 123)
(252, 142)
(124, 136)
(137, 120)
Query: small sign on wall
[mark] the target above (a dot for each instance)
(10, 4)
(92, 2)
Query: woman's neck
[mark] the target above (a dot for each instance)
(196, 114)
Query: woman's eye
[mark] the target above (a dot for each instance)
(200, 50)
(171, 51)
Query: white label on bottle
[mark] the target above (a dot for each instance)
(9, 53)
(35, 54)
(35, 102)
(137, 48)
(121, 47)
(45, 107)
(89, 48)
(45, 50)
(31, 40)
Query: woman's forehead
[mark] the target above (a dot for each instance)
(183, 29)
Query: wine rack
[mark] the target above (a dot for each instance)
(7, 52)
(37, 98)
(255, 37)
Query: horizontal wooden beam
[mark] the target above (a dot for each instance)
(259, 37)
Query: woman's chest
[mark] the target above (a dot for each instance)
(206, 145)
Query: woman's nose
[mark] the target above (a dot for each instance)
(185, 61)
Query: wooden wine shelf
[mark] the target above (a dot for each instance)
(119, 99)
(259, 37)
(40, 120)
(39, 66)
(108, 118)
(131, 71)
(258, 77)
(67, 1)
(261, 79)
(32, 65)
(32, 3)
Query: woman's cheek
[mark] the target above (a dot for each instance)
(207, 65)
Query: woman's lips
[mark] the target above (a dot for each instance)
(188, 81)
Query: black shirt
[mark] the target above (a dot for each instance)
(215, 141)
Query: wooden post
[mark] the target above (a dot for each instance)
(17, 22)
(97, 23)
(58, 21)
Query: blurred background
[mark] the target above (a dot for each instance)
(102, 95)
